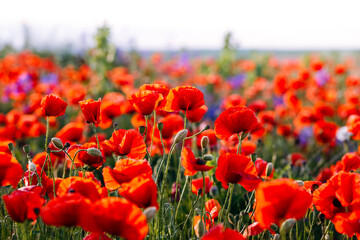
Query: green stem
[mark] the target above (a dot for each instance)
(47, 132)
(229, 205)
(181, 196)
(153, 132)
(163, 159)
(96, 135)
(239, 145)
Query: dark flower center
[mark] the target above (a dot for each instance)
(336, 203)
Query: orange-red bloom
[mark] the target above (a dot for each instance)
(24, 203)
(91, 110)
(184, 98)
(192, 164)
(213, 207)
(52, 105)
(119, 217)
(124, 171)
(141, 190)
(146, 101)
(234, 168)
(235, 120)
(219, 233)
(279, 200)
(199, 184)
(10, 170)
(325, 132)
(128, 143)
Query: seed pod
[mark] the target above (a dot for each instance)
(142, 129)
(57, 143)
(94, 152)
(149, 213)
(180, 136)
(204, 141)
(27, 149)
(160, 126)
(269, 169)
(201, 228)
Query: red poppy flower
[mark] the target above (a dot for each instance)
(52, 105)
(24, 203)
(296, 159)
(10, 170)
(111, 106)
(86, 187)
(260, 166)
(119, 217)
(235, 120)
(219, 233)
(146, 101)
(172, 124)
(198, 184)
(234, 168)
(213, 207)
(350, 161)
(191, 164)
(279, 200)
(72, 132)
(253, 230)
(49, 186)
(128, 143)
(87, 159)
(39, 160)
(91, 110)
(69, 210)
(124, 171)
(338, 195)
(141, 190)
(184, 98)
(348, 223)
(233, 101)
(197, 114)
(325, 132)
(97, 236)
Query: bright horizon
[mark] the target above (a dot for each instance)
(171, 25)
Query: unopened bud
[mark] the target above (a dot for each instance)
(94, 152)
(201, 228)
(27, 149)
(199, 191)
(160, 126)
(149, 213)
(204, 141)
(232, 219)
(274, 227)
(276, 237)
(214, 191)
(142, 130)
(301, 183)
(180, 136)
(31, 166)
(67, 145)
(287, 225)
(253, 157)
(269, 169)
(11, 147)
(57, 143)
(208, 157)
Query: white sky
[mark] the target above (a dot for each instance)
(194, 24)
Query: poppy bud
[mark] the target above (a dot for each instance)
(31, 166)
(204, 141)
(208, 157)
(94, 152)
(180, 136)
(287, 225)
(11, 147)
(201, 228)
(57, 143)
(27, 149)
(214, 191)
(149, 213)
(274, 227)
(269, 169)
(160, 126)
(142, 129)
(253, 157)
(67, 145)
(199, 191)
(301, 183)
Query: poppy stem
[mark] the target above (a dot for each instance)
(224, 205)
(163, 159)
(181, 196)
(96, 135)
(239, 145)
(229, 205)
(153, 132)
(326, 230)
(47, 132)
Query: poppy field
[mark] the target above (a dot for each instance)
(179, 147)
